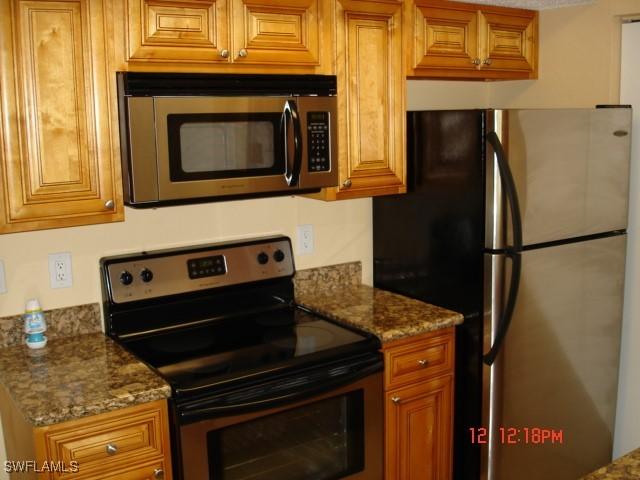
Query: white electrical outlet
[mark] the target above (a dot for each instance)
(60, 270)
(305, 239)
(3, 282)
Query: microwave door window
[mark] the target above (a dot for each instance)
(212, 146)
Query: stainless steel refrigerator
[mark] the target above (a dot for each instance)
(517, 219)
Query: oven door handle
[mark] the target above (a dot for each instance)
(200, 411)
(291, 111)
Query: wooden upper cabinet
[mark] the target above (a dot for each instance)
(58, 133)
(177, 31)
(448, 39)
(445, 38)
(508, 41)
(227, 35)
(371, 100)
(278, 32)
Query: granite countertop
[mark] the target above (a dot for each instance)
(76, 376)
(625, 467)
(337, 293)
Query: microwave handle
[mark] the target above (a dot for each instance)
(291, 110)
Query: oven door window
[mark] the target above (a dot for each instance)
(206, 146)
(323, 440)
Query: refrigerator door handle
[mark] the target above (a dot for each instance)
(513, 252)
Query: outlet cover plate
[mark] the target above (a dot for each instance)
(60, 275)
(305, 239)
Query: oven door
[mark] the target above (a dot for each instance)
(219, 146)
(334, 435)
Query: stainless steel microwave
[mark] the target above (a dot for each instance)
(199, 137)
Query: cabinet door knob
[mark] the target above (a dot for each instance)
(395, 399)
(423, 363)
(109, 204)
(346, 183)
(158, 473)
(487, 61)
(112, 449)
(476, 61)
(243, 53)
(224, 53)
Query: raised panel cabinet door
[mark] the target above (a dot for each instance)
(508, 41)
(58, 148)
(445, 38)
(288, 32)
(371, 99)
(194, 31)
(131, 443)
(419, 431)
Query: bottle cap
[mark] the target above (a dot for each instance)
(32, 305)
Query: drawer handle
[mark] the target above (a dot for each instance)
(395, 399)
(423, 363)
(243, 53)
(158, 473)
(112, 449)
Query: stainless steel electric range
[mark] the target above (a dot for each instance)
(261, 388)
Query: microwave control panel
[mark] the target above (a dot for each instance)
(319, 141)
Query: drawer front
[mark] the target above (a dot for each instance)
(106, 443)
(418, 360)
(151, 470)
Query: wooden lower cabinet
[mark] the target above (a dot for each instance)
(130, 443)
(419, 408)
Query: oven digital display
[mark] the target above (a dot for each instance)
(207, 266)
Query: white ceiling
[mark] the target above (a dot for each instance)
(533, 4)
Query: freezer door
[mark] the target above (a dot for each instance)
(571, 170)
(558, 369)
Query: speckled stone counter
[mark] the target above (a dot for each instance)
(336, 292)
(74, 377)
(626, 467)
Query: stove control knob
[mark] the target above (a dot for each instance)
(278, 255)
(263, 258)
(146, 275)
(126, 278)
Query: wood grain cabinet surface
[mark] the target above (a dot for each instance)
(58, 136)
(459, 40)
(419, 375)
(277, 36)
(131, 443)
(371, 100)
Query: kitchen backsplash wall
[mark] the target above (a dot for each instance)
(61, 322)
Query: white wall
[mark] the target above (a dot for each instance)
(627, 433)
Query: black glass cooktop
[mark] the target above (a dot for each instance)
(222, 353)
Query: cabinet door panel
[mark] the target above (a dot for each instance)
(445, 38)
(371, 100)
(419, 431)
(279, 32)
(177, 31)
(57, 140)
(508, 41)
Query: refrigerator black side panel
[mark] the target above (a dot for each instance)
(427, 244)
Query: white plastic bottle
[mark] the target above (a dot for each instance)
(34, 324)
